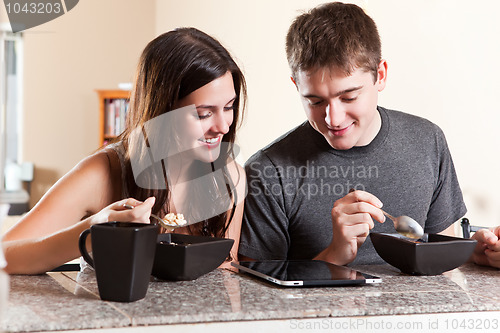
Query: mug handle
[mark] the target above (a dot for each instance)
(83, 247)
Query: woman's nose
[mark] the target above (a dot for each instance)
(221, 124)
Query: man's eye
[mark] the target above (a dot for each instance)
(318, 103)
(348, 100)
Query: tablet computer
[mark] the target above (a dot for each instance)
(303, 273)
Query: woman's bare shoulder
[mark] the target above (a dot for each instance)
(84, 190)
(91, 181)
(90, 170)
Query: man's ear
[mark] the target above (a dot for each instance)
(295, 83)
(382, 75)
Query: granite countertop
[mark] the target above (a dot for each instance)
(70, 300)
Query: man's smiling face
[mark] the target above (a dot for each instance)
(342, 108)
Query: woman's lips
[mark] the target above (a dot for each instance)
(211, 142)
(339, 132)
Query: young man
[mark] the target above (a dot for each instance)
(299, 203)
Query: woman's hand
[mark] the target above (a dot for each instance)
(118, 212)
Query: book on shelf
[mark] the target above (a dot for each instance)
(116, 112)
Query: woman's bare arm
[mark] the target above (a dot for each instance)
(47, 236)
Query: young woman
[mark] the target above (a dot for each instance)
(175, 156)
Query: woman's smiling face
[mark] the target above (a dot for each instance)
(202, 127)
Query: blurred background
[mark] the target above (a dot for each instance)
(442, 55)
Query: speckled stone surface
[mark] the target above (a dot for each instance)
(70, 301)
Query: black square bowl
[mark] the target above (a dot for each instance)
(181, 257)
(439, 254)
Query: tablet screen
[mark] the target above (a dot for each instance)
(305, 272)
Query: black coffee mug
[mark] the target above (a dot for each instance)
(122, 256)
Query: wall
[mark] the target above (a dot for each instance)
(442, 57)
(254, 32)
(443, 65)
(96, 45)
(4, 19)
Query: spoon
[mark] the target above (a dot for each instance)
(168, 225)
(406, 226)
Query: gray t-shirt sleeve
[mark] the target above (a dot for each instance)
(447, 205)
(264, 233)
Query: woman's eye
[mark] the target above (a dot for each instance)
(204, 115)
(228, 108)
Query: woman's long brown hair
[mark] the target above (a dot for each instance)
(172, 66)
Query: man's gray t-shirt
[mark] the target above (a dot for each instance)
(294, 182)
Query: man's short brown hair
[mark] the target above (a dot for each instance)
(333, 35)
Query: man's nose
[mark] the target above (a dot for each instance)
(335, 114)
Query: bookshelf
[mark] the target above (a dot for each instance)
(113, 106)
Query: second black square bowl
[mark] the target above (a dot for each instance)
(181, 257)
(439, 254)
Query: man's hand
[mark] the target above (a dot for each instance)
(487, 251)
(352, 220)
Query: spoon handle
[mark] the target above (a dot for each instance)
(162, 222)
(385, 213)
(157, 218)
(389, 216)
